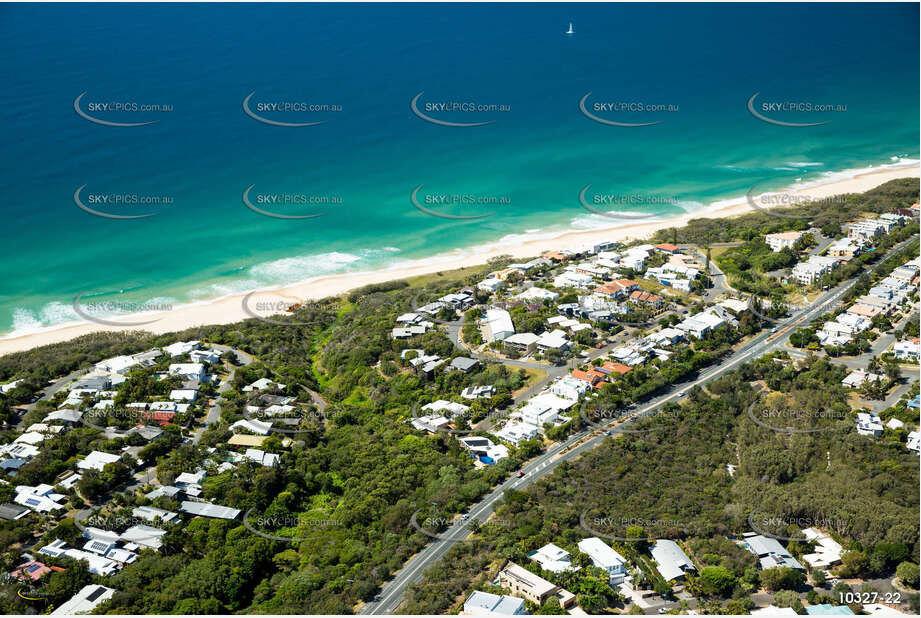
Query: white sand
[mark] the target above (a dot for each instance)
(231, 308)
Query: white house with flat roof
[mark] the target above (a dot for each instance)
(481, 603)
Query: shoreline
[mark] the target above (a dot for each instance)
(229, 309)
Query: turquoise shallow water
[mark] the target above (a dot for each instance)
(372, 60)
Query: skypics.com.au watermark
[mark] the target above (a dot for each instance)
(439, 111)
(602, 417)
(450, 527)
(102, 311)
(632, 529)
(286, 310)
(109, 205)
(434, 204)
(112, 417)
(113, 113)
(295, 205)
(782, 113)
(288, 112)
(605, 112)
(629, 207)
(779, 526)
(795, 420)
(290, 528)
(770, 203)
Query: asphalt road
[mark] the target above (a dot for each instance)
(391, 594)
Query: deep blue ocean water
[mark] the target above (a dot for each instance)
(371, 60)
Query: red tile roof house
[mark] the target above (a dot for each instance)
(610, 367)
(618, 287)
(668, 248)
(33, 570)
(640, 296)
(594, 378)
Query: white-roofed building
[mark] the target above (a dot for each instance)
(262, 384)
(856, 378)
(481, 603)
(671, 562)
(515, 433)
(783, 240)
(97, 460)
(260, 428)
(553, 558)
(449, 408)
(85, 601)
(913, 441)
(907, 349)
(498, 325)
(188, 371)
(827, 551)
(536, 293)
(605, 558)
(770, 552)
(813, 269)
(181, 347)
(552, 340)
(869, 425)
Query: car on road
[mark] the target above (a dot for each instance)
(773, 330)
(520, 473)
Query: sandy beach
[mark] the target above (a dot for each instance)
(231, 308)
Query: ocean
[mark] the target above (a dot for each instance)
(355, 69)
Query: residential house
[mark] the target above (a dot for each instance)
(813, 269)
(770, 552)
(671, 562)
(605, 558)
(783, 240)
(619, 288)
(869, 425)
(827, 551)
(97, 460)
(85, 601)
(856, 378)
(462, 363)
(523, 343)
(907, 349)
(552, 340)
(553, 558)
(483, 449)
(913, 442)
(479, 392)
(532, 587)
(498, 325)
(515, 433)
(536, 293)
(481, 603)
(570, 279)
(181, 347)
(188, 371)
(41, 498)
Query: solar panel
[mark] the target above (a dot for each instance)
(95, 594)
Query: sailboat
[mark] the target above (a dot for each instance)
(570, 31)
